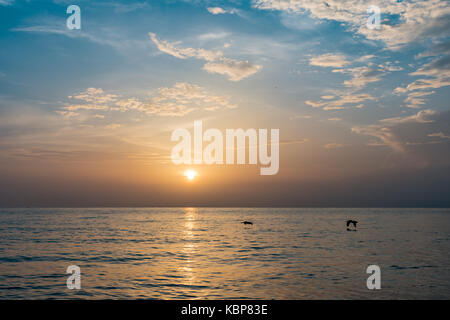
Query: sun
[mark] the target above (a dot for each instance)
(190, 174)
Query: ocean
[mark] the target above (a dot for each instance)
(207, 253)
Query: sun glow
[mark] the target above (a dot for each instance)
(190, 174)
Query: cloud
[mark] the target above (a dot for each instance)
(422, 116)
(439, 81)
(436, 73)
(47, 29)
(388, 131)
(54, 26)
(219, 10)
(329, 60)
(216, 10)
(341, 101)
(366, 57)
(125, 8)
(361, 76)
(333, 145)
(95, 95)
(75, 107)
(6, 2)
(183, 98)
(383, 133)
(95, 98)
(388, 66)
(178, 100)
(235, 70)
(112, 35)
(113, 126)
(184, 53)
(213, 36)
(404, 22)
(67, 114)
(129, 104)
(314, 104)
(440, 135)
(415, 99)
(295, 141)
(298, 116)
(437, 49)
(216, 62)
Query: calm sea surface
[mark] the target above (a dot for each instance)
(206, 253)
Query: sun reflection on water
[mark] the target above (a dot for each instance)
(189, 248)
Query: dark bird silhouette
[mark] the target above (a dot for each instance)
(349, 222)
(247, 222)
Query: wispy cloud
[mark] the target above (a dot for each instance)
(333, 145)
(98, 34)
(439, 135)
(67, 114)
(216, 10)
(436, 73)
(294, 141)
(95, 95)
(220, 10)
(6, 2)
(298, 116)
(113, 126)
(329, 60)
(417, 20)
(385, 131)
(416, 99)
(362, 76)
(178, 100)
(422, 116)
(62, 30)
(342, 101)
(235, 70)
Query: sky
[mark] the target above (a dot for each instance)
(363, 114)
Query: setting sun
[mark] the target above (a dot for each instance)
(190, 174)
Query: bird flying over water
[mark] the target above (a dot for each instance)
(349, 222)
(247, 222)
